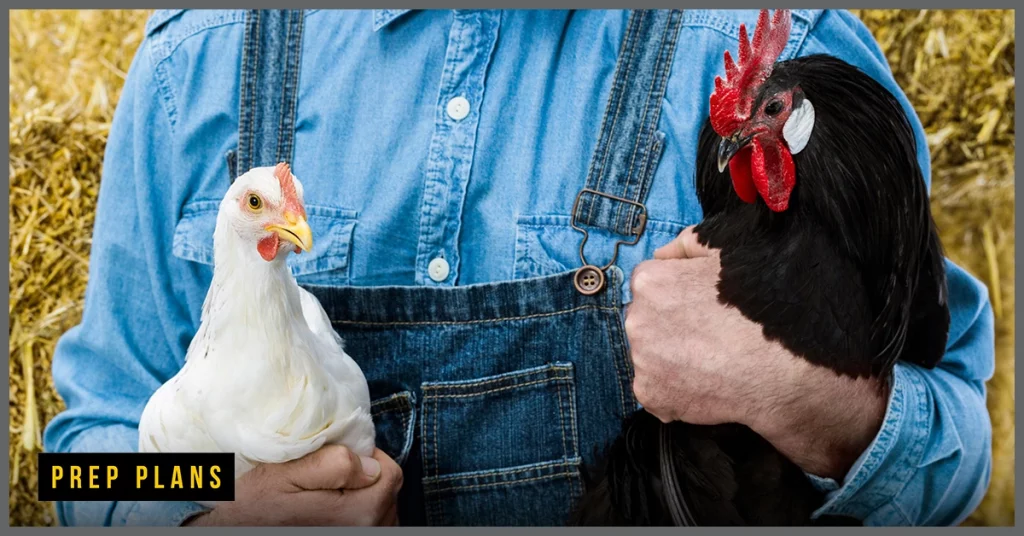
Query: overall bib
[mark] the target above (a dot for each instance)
(492, 397)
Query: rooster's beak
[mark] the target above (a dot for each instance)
(295, 230)
(729, 147)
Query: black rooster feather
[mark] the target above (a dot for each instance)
(847, 272)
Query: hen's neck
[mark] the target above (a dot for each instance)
(249, 292)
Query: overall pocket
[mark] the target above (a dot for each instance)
(394, 418)
(502, 450)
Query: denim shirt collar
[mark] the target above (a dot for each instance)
(383, 17)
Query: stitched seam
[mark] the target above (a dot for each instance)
(569, 447)
(837, 503)
(656, 87)
(395, 398)
(667, 49)
(254, 88)
(226, 19)
(561, 428)
(617, 92)
(439, 509)
(650, 170)
(494, 484)
(503, 377)
(626, 383)
(615, 363)
(644, 125)
(499, 389)
(406, 418)
(295, 61)
(653, 225)
(797, 38)
(469, 322)
(203, 205)
(442, 132)
(572, 420)
(500, 472)
(425, 453)
(164, 87)
(437, 410)
(286, 86)
(160, 17)
(608, 119)
(389, 405)
(730, 29)
(247, 111)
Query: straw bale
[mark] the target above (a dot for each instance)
(67, 68)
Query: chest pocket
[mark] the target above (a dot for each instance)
(548, 244)
(327, 264)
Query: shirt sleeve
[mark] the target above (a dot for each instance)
(931, 461)
(131, 336)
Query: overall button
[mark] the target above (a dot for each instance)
(458, 108)
(438, 269)
(589, 280)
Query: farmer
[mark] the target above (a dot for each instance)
(442, 153)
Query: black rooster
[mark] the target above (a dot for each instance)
(826, 239)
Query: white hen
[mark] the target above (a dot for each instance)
(265, 376)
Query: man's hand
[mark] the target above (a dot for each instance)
(702, 362)
(330, 487)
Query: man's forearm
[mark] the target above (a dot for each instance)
(826, 421)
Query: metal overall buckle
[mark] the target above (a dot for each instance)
(590, 279)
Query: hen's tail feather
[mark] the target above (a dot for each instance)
(728, 476)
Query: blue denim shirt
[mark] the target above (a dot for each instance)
(393, 179)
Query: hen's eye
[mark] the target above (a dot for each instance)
(773, 108)
(255, 202)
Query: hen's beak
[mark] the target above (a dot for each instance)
(295, 230)
(728, 147)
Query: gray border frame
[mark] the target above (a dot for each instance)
(522, 4)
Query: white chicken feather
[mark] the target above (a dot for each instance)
(266, 376)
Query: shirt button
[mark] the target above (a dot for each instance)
(458, 108)
(438, 269)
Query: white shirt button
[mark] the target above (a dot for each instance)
(438, 269)
(458, 108)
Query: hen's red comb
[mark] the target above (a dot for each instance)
(291, 197)
(733, 99)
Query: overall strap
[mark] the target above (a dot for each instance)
(271, 55)
(627, 154)
(629, 145)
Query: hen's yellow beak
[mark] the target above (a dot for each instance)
(295, 230)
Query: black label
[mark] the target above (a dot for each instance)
(133, 476)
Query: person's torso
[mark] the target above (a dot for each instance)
(455, 135)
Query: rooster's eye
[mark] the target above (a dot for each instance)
(773, 108)
(255, 202)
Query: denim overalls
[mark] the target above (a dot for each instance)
(492, 397)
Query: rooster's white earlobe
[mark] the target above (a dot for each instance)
(798, 127)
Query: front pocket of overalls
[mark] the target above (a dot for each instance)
(502, 450)
(394, 418)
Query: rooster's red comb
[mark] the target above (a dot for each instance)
(283, 173)
(733, 99)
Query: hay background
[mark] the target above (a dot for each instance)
(67, 68)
